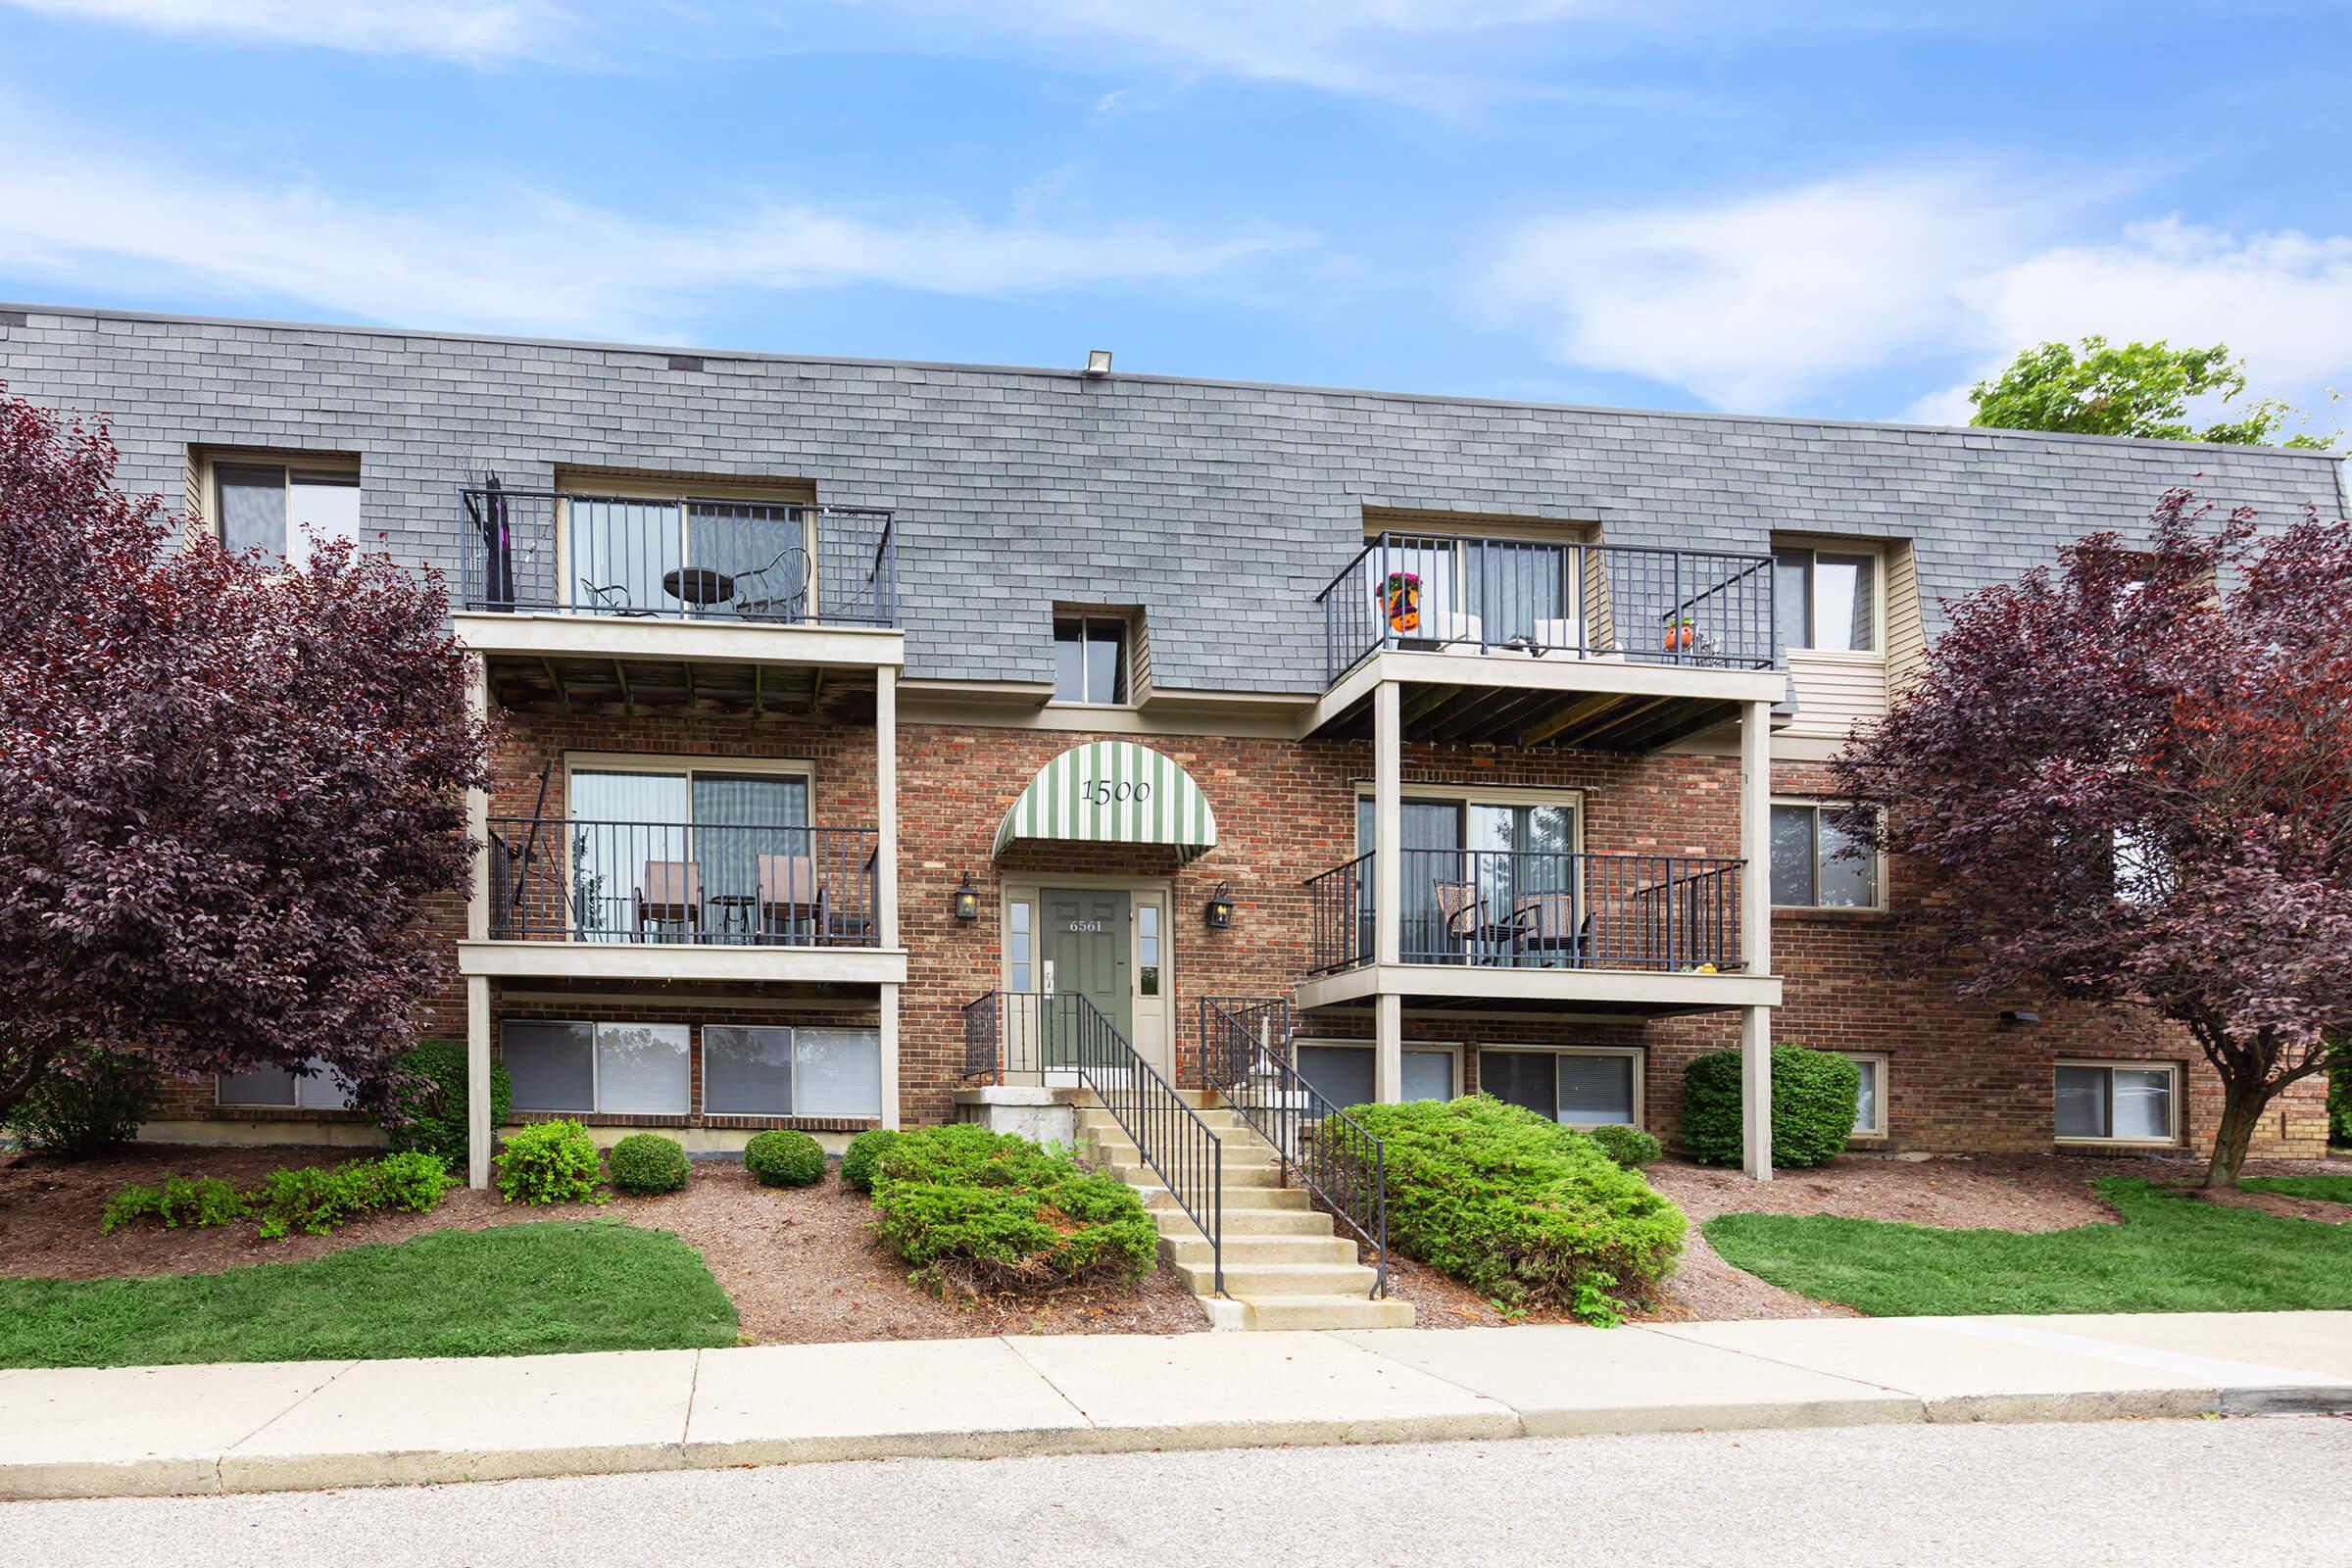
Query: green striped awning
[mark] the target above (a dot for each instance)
(1112, 792)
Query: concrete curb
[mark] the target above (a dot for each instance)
(162, 1431)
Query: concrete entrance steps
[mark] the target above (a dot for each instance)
(1286, 1267)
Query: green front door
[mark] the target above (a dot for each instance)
(1084, 942)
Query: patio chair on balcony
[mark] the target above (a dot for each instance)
(671, 894)
(792, 904)
(1462, 910)
(1551, 929)
(777, 591)
(610, 598)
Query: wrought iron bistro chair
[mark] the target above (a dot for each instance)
(1550, 928)
(1462, 910)
(777, 591)
(791, 905)
(611, 599)
(670, 893)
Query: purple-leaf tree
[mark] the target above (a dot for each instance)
(2130, 782)
(230, 788)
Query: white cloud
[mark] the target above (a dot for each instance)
(449, 30)
(1763, 300)
(540, 265)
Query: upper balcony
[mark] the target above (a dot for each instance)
(574, 898)
(648, 603)
(1542, 929)
(1534, 642)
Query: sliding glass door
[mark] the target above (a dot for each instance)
(1470, 867)
(677, 857)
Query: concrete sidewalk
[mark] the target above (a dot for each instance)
(285, 1425)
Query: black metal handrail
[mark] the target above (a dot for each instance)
(1708, 609)
(1537, 909)
(677, 559)
(576, 880)
(1340, 908)
(1246, 1058)
(1039, 1035)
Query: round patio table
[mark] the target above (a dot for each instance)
(698, 585)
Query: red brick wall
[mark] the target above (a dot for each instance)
(1957, 1080)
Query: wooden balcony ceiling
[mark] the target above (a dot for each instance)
(620, 687)
(1528, 717)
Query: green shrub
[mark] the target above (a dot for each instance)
(981, 1212)
(90, 1098)
(549, 1163)
(1522, 1209)
(648, 1162)
(176, 1201)
(1629, 1147)
(318, 1199)
(858, 1160)
(427, 1107)
(784, 1158)
(1812, 1106)
(2339, 1095)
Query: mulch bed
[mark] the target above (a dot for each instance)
(800, 1264)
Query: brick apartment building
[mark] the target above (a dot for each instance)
(866, 723)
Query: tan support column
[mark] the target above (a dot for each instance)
(478, 1131)
(890, 1056)
(477, 1081)
(1755, 932)
(1387, 887)
(885, 804)
(477, 811)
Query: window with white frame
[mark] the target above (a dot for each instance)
(316, 1087)
(601, 1067)
(1577, 1087)
(779, 1070)
(1870, 1094)
(1816, 864)
(2117, 1102)
(1827, 600)
(278, 507)
(1343, 1072)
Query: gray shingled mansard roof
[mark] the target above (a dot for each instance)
(1222, 508)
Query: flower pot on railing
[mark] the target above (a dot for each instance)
(1680, 635)
(1401, 597)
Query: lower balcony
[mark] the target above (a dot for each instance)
(612, 900)
(1620, 933)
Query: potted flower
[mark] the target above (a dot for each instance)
(1401, 597)
(1680, 635)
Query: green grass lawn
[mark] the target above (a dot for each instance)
(2321, 1189)
(510, 1290)
(2170, 1255)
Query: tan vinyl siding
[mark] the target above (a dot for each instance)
(1835, 691)
(1138, 658)
(1907, 631)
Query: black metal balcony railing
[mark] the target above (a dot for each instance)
(1700, 608)
(567, 880)
(1536, 910)
(545, 551)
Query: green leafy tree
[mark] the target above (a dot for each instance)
(2141, 389)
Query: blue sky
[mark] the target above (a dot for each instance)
(1826, 208)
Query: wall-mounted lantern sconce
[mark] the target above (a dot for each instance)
(967, 901)
(1219, 913)
(2011, 1018)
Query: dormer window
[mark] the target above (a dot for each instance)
(1090, 658)
(279, 507)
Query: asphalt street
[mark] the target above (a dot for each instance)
(2267, 1491)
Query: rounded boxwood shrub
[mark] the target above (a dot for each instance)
(427, 1107)
(858, 1160)
(648, 1162)
(90, 1098)
(1812, 1106)
(784, 1158)
(549, 1163)
(1629, 1147)
(1526, 1213)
